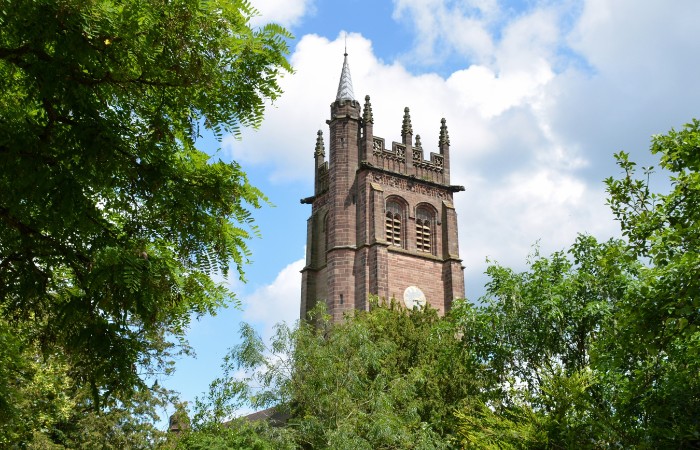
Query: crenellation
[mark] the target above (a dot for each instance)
(394, 159)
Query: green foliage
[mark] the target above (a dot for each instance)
(235, 434)
(386, 378)
(652, 353)
(533, 337)
(35, 390)
(111, 220)
(599, 348)
(595, 347)
(514, 428)
(49, 409)
(130, 424)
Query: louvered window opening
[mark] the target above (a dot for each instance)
(393, 229)
(393, 224)
(423, 235)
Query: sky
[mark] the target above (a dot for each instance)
(538, 96)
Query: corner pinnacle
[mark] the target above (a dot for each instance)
(406, 128)
(367, 115)
(444, 136)
(320, 149)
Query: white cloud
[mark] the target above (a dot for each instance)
(445, 26)
(633, 38)
(528, 43)
(638, 79)
(490, 94)
(276, 302)
(284, 12)
(533, 125)
(499, 141)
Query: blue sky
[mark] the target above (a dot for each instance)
(538, 95)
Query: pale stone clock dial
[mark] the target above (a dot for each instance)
(414, 297)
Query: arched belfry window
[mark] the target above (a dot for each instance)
(394, 222)
(425, 225)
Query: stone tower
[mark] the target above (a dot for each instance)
(382, 216)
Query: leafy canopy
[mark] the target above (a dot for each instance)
(111, 219)
(386, 378)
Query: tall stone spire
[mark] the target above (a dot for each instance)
(345, 84)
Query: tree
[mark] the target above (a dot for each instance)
(535, 338)
(652, 352)
(111, 219)
(387, 378)
(384, 378)
(600, 347)
(33, 389)
(47, 408)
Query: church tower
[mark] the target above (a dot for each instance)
(382, 216)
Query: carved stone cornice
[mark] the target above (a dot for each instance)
(389, 178)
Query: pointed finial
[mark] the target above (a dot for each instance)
(345, 85)
(418, 144)
(367, 116)
(320, 150)
(406, 128)
(444, 137)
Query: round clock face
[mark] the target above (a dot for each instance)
(414, 297)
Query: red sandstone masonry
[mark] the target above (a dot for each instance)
(351, 259)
